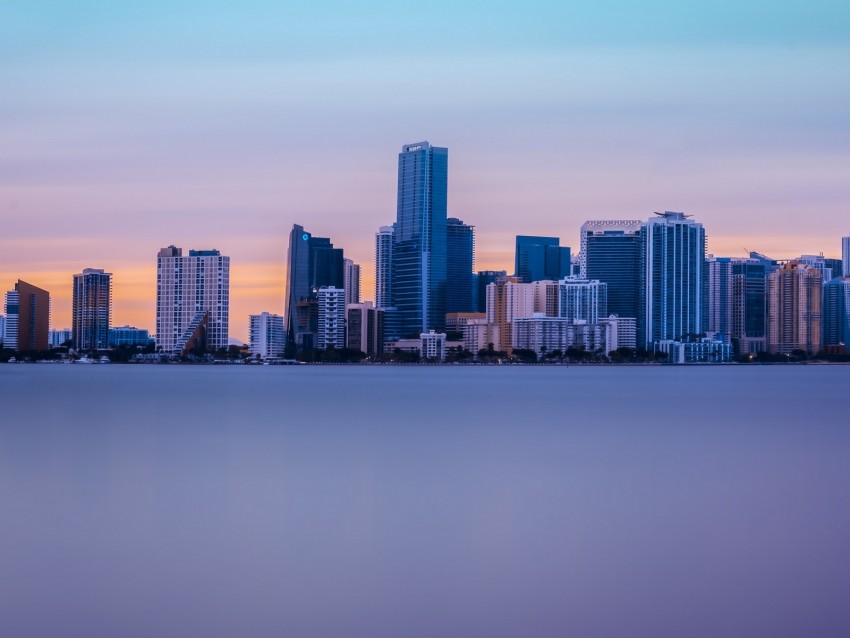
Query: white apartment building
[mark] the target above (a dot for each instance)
(331, 318)
(192, 299)
(267, 335)
(433, 345)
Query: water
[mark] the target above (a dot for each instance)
(389, 501)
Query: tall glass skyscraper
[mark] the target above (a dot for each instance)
(612, 252)
(91, 309)
(675, 277)
(539, 258)
(383, 267)
(749, 304)
(312, 263)
(460, 260)
(419, 240)
(482, 279)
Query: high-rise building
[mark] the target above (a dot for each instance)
(331, 333)
(612, 252)
(384, 267)
(675, 278)
(582, 300)
(267, 336)
(364, 328)
(547, 297)
(538, 258)
(27, 318)
(91, 309)
(836, 313)
(720, 298)
(845, 256)
(59, 337)
(794, 309)
(352, 281)
(128, 336)
(312, 263)
(460, 261)
(507, 300)
(192, 300)
(2, 329)
(482, 279)
(822, 264)
(419, 241)
(748, 329)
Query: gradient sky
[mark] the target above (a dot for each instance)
(126, 127)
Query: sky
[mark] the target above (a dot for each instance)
(127, 127)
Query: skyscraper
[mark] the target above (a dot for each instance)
(794, 309)
(419, 240)
(482, 279)
(720, 296)
(845, 256)
(312, 262)
(460, 260)
(352, 281)
(192, 300)
(612, 252)
(364, 328)
(508, 299)
(538, 258)
(91, 310)
(748, 329)
(836, 313)
(27, 318)
(675, 278)
(383, 267)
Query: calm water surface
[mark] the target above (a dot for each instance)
(389, 501)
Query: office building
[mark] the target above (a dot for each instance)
(582, 300)
(352, 282)
(720, 298)
(845, 256)
(460, 261)
(433, 345)
(836, 315)
(481, 280)
(383, 267)
(331, 306)
(675, 278)
(419, 257)
(192, 300)
(128, 336)
(538, 258)
(547, 297)
(748, 329)
(794, 309)
(364, 328)
(91, 309)
(27, 321)
(312, 263)
(267, 336)
(612, 253)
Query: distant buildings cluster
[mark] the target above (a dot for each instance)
(633, 286)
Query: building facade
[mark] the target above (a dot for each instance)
(192, 300)
(748, 329)
(352, 282)
(384, 267)
(128, 336)
(27, 318)
(267, 336)
(675, 278)
(460, 262)
(312, 263)
(508, 300)
(845, 256)
(582, 300)
(612, 253)
(419, 257)
(433, 345)
(720, 296)
(794, 309)
(91, 309)
(538, 258)
(331, 302)
(836, 314)
(364, 328)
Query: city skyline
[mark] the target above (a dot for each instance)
(214, 127)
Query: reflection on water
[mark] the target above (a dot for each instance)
(387, 501)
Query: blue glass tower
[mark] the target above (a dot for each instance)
(419, 241)
(836, 313)
(539, 258)
(460, 260)
(675, 278)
